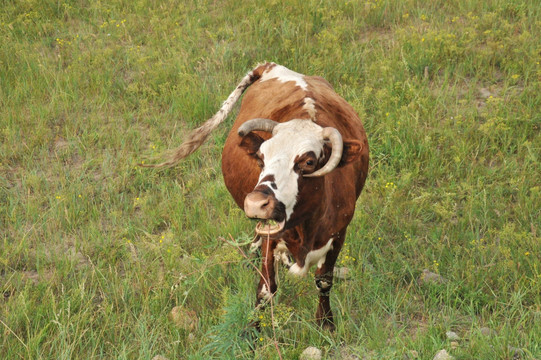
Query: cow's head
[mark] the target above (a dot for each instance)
(298, 149)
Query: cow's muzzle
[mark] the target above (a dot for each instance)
(264, 205)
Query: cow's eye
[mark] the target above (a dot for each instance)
(306, 163)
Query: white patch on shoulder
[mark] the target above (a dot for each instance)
(313, 257)
(309, 106)
(283, 74)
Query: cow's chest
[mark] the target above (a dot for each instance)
(300, 262)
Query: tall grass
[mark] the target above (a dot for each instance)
(95, 252)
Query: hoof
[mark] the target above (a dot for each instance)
(250, 334)
(327, 324)
(254, 325)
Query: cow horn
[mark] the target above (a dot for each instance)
(258, 124)
(332, 135)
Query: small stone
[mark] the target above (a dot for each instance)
(454, 345)
(451, 335)
(368, 267)
(344, 352)
(429, 277)
(485, 93)
(183, 318)
(310, 353)
(485, 331)
(191, 337)
(60, 144)
(413, 354)
(31, 275)
(517, 352)
(442, 355)
(159, 357)
(347, 354)
(342, 273)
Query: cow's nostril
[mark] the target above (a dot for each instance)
(258, 205)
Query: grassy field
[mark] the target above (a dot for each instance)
(95, 252)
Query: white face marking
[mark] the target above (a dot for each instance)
(283, 74)
(266, 183)
(289, 140)
(314, 256)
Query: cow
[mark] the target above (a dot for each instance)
(296, 158)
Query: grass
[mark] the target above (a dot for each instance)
(95, 252)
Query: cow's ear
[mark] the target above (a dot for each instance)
(352, 152)
(251, 143)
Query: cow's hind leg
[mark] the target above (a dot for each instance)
(324, 280)
(324, 315)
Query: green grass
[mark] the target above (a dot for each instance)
(95, 252)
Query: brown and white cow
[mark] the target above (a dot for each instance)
(297, 154)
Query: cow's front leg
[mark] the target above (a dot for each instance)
(267, 283)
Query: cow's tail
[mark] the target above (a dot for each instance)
(198, 136)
